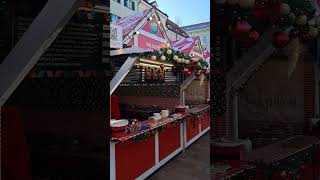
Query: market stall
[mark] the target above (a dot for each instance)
(153, 124)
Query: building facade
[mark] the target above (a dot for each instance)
(202, 30)
(174, 32)
(123, 8)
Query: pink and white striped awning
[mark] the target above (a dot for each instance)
(130, 22)
(186, 45)
(207, 55)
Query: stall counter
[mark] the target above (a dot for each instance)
(138, 155)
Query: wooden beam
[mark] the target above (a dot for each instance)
(121, 74)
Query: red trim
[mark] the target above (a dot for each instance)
(169, 141)
(134, 158)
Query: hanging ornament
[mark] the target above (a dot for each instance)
(189, 73)
(246, 4)
(313, 32)
(148, 73)
(155, 75)
(232, 2)
(220, 1)
(163, 58)
(178, 60)
(182, 60)
(301, 20)
(241, 30)
(153, 57)
(292, 18)
(175, 57)
(161, 75)
(187, 62)
(161, 66)
(285, 9)
(280, 39)
(252, 39)
(169, 51)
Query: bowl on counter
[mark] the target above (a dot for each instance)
(181, 109)
(119, 127)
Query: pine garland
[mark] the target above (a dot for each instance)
(184, 61)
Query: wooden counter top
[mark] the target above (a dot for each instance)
(282, 149)
(156, 124)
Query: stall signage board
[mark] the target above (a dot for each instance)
(149, 43)
(115, 36)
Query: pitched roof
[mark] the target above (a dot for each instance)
(129, 22)
(207, 55)
(185, 45)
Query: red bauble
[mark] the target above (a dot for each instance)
(189, 73)
(280, 39)
(197, 74)
(252, 39)
(267, 9)
(241, 29)
(161, 66)
(302, 168)
(185, 70)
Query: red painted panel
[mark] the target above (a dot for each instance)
(134, 158)
(169, 141)
(192, 128)
(205, 122)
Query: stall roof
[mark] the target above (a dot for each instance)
(186, 45)
(130, 22)
(207, 55)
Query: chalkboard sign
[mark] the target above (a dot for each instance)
(81, 43)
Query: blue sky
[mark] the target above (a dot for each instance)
(189, 11)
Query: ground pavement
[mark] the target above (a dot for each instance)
(193, 164)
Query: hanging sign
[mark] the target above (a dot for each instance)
(115, 36)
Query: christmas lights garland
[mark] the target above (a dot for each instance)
(181, 62)
(146, 135)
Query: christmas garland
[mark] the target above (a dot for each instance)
(182, 63)
(200, 114)
(146, 135)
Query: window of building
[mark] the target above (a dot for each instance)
(118, 1)
(114, 17)
(129, 4)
